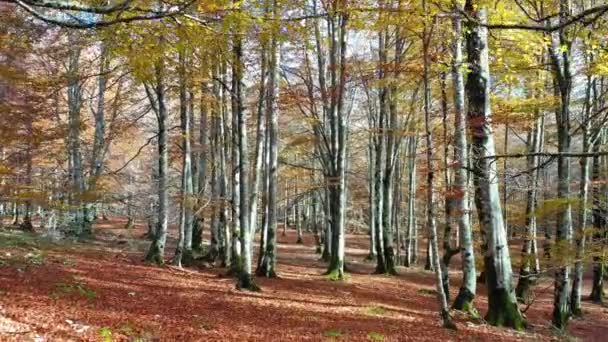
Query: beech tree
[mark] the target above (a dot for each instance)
(377, 120)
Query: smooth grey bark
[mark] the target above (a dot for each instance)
(371, 197)
(560, 53)
(195, 160)
(449, 251)
(268, 259)
(372, 145)
(76, 170)
(466, 293)
(338, 133)
(183, 252)
(286, 209)
(202, 161)
(27, 215)
(235, 166)
(430, 175)
(315, 220)
(397, 205)
(265, 219)
(259, 145)
(579, 237)
(327, 236)
(529, 267)
(97, 155)
(225, 149)
(388, 146)
(600, 225)
(298, 211)
(246, 255)
(411, 241)
(218, 176)
(320, 129)
(156, 252)
(379, 170)
(502, 305)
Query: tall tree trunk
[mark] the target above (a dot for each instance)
(371, 193)
(260, 144)
(560, 55)
(74, 135)
(529, 258)
(448, 250)
(262, 257)
(267, 265)
(338, 138)
(156, 252)
(379, 170)
(203, 156)
(298, 211)
(430, 174)
(411, 242)
(502, 305)
(599, 216)
(99, 116)
(225, 150)
(577, 284)
(183, 253)
(388, 123)
(466, 293)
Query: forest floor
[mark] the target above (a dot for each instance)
(101, 290)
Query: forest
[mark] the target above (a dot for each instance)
(305, 170)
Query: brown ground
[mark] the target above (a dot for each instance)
(102, 291)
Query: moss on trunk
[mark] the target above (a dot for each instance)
(155, 254)
(389, 257)
(246, 282)
(266, 267)
(335, 271)
(597, 290)
(464, 302)
(503, 310)
(560, 318)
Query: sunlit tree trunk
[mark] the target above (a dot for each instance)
(448, 250)
(262, 258)
(298, 211)
(156, 252)
(259, 144)
(411, 241)
(75, 101)
(268, 259)
(577, 277)
(430, 174)
(371, 194)
(466, 294)
(202, 157)
(97, 155)
(560, 56)
(338, 128)
(529, 258)
(502, 305)
(599, 217)
(245, 271)
(183, 253)
(235, 166)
